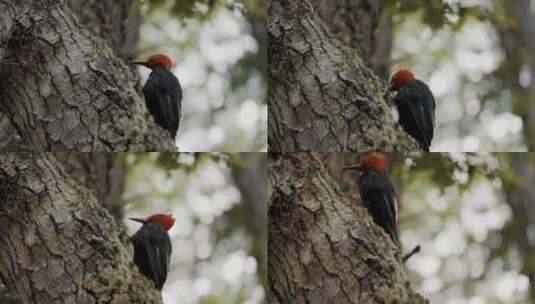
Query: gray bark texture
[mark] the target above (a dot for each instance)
(322, 247)
(321, 95)
(357, 23)
(103, 173)
(117, 22)
(57, 244)
(63, 88)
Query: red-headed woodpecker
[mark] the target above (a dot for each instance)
(377, 192)
(416, 106)
(152, 247)
(163, 94)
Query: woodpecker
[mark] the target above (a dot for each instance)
(416, 106)
(377, 193)
(152, 247)
(163, 93)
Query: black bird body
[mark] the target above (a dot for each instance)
(163, 97)
(152, 252)
(416, 107)
(379, 197)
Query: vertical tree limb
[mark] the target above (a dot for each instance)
(249, 174)
(102, 173)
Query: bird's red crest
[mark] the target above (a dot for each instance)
(160, 60)
(373, 161)
(166, 220)
(401, 77)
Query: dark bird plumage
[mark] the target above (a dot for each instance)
(152, 248)
(379, 196)
(163, 97)
(416, 107)
(377, 193)
(163, 93)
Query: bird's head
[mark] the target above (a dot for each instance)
(158, 60)
(371, 161)
(166, 220)
(400, 78)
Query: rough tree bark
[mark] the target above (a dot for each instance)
(102, 173)
(323, 248)
(358, 24)
(117, 22)
(321, 96)
(63, 87)
(57, 245)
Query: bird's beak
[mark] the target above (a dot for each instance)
(143, 63)
(137, 219)
(354, 167)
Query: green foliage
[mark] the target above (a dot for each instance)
(443, 170)
(187, 162)
(198, 9)
(437, 14)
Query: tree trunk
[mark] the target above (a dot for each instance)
(102, 173)
(57, 245)
(322, 247)
(519, 45)
(358, 24)
(249, 174)
(518, 178)
(321, 96)
(117, 22)
(63, 87)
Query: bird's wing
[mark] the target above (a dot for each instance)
(154, 254)
(174, 105)
(421, 121)
(416, 105)
(157, 251)
(150, 90)
(378, 193)
(168, 252)
(168, 96)
(390, 208)
(431, 117)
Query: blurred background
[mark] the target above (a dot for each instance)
(219, 48)
(477, 58)
(474, 217)
(219, 237)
